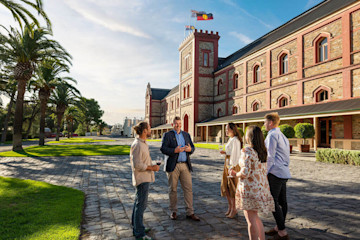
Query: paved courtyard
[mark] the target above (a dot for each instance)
(324, 199)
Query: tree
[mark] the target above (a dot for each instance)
(9, 88)
(304, 130)
(71, 115)
(91, 112)
(26, 49)
(64, 95)
(21, 13)
(47, 78)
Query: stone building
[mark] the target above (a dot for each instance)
(307, 70)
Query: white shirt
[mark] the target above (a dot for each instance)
(233, 148)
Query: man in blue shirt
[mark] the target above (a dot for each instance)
(278, 161)
(177, 145)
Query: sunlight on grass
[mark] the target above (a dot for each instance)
(69, 150)
(206, 145)
(79, 140)
(153, 140)
(38, 210)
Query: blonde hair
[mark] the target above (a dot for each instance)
(140, 127)
(274, 117)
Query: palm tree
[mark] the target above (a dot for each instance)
(63, 96)
(71, 115)
(47, 78)
(26, 50)
(20, 13)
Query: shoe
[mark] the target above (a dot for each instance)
(193, 217)
(146, 237)
(173, 216)
(271, 232)
(146, 231)
(277, 237)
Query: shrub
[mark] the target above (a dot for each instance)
(304, 130)
(263, 129)
(351, 157)
(287, 130)
(241, 132)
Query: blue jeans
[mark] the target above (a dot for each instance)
(141, 198)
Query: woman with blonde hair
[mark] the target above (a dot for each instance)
(232, 152)
(253, 192)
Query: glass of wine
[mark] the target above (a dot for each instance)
(229, 167)
(221, 148)
(158, 161)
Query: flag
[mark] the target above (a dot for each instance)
(189, 27)
(207, 16)
(194, 12)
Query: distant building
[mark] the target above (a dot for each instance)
(128, 126)
(307, 70)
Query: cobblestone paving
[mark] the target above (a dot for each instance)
(324, 199)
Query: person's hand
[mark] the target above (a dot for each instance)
(222, 152)
(156, 168)
(188, 148)
(232, 173)
(179, 149)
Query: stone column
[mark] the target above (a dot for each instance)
(317, 135)
(207, 134)
(222, 134)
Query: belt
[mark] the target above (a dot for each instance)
(181, 162)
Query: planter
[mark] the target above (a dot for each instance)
(304, 148)
(291, 147)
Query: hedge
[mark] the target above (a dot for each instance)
(351, 157)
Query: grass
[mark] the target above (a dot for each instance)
(69, 150)
(207, 145)
(36, 210)
(153, 140)
(79, 140)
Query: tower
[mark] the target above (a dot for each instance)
(198, 57)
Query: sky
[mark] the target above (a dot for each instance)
(118, 46)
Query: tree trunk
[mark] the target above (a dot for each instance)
(43, 96)
(6, 122)
(31, 120)
(59, 119)
(18, 116)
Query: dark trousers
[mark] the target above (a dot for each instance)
(141, 198)
(278, 191)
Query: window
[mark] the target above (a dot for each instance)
(172, 105)
(236, 83)
(284, 64)
(188, 91)
(256, 74)
(323, 50)
(206, 59)
(256, 107)
(187, 63)
(177, 102)
(322, 95)
(235, 110)
(184, 92)
(219, 86)
(283, 102)
(219, 112)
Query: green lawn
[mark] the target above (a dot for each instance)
(206, 145)
(69, 150)
(153, 140)
(79, 140)
(36, 210)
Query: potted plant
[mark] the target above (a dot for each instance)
(304, 130)
(288, 131)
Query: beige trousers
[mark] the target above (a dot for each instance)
(181, 172)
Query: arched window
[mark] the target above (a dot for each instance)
(283, 102)
(284, 64)
(188, 91)
(219, 85)
(219, 112)
(235, 110)
(172, 105)
(256, 74)
(236, 79)
(256, 106)
(322, 95)
(177, 102)
(184, 92)
(322, 49)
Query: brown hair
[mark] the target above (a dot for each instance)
(140, 127)
(236, 132)
(256, 138)
(176, 118)
(274, 117)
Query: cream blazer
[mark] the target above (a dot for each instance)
(233, 149)
(140, 159)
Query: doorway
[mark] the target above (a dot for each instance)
(325, 132)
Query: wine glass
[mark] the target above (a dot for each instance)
(221, 148)
(158, 160)
(229, 167)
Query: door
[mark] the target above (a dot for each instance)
(325, 132)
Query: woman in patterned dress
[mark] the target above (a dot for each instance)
(232, 152)
(253, 192)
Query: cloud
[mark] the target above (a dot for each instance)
(243, 38)
(96, 16)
